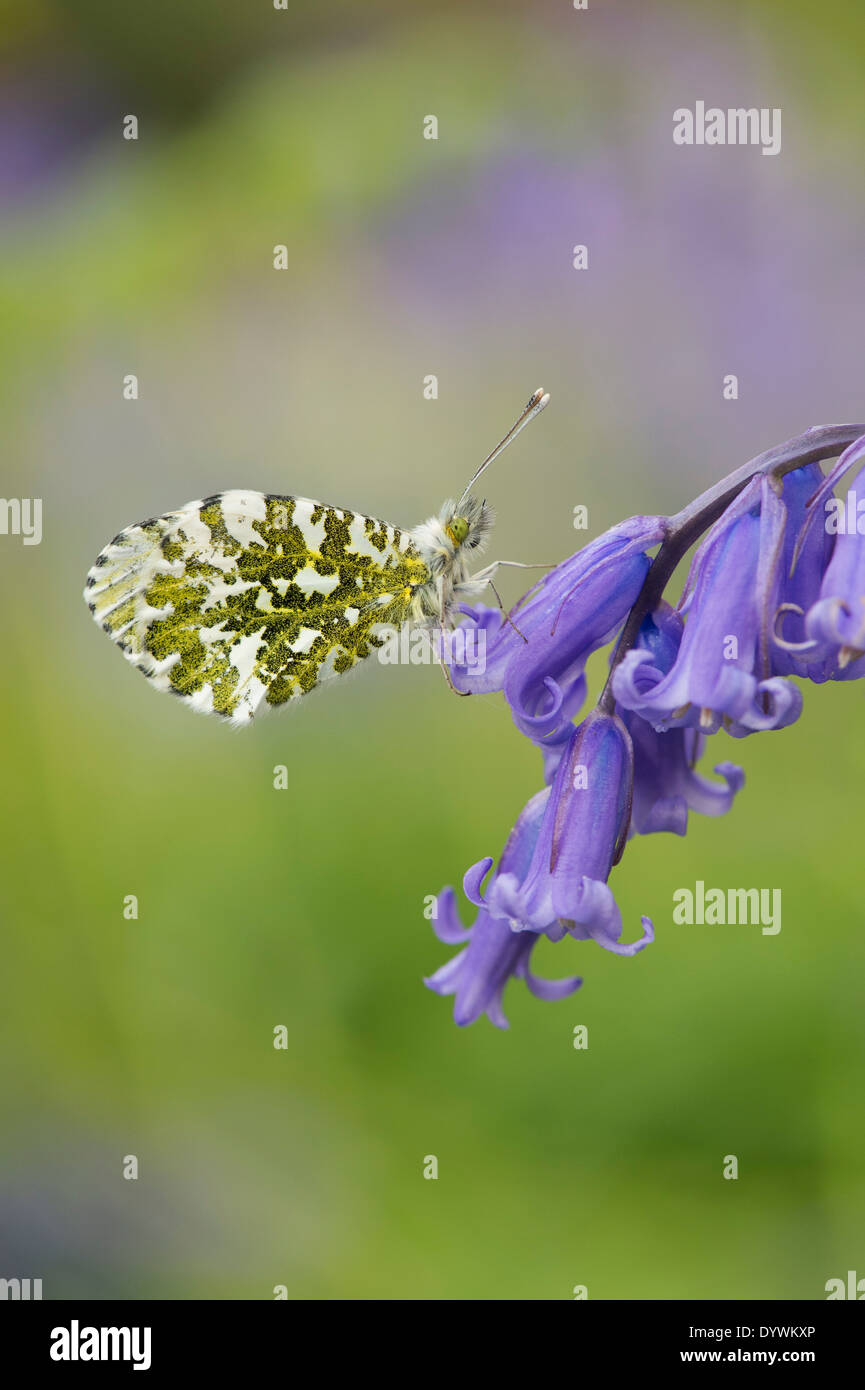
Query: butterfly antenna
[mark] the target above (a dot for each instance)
(535, 405)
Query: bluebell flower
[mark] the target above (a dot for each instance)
(721, 672)
(819, 503)
(493, 951)
(835, 623)
(563, 887)
(817, 629)
(770, 595)
(573, 611)
(802, 564)
(666, 783)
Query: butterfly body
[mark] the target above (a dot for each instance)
(447, 543)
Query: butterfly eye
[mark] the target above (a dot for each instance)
(458, 530)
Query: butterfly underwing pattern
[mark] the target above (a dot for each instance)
(247, 599)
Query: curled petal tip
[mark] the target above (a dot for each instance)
(446, 923)
(551, 990)
(473, 879)
(732, 773)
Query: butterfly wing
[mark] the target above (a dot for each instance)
(247, 597)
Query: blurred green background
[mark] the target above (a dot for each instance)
(305, 907)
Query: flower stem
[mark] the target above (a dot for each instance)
(688, 525)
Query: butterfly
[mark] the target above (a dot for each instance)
(246, 598)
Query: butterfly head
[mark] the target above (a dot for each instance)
(458, 529)
(448, 539)
(466, 524)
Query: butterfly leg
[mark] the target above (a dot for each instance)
(507, 616)
(442, 663)
(511, 564)
(447, 675)
(485, 576)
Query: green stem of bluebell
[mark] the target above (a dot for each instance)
(688, 525)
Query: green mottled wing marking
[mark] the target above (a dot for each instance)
(245, 597)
